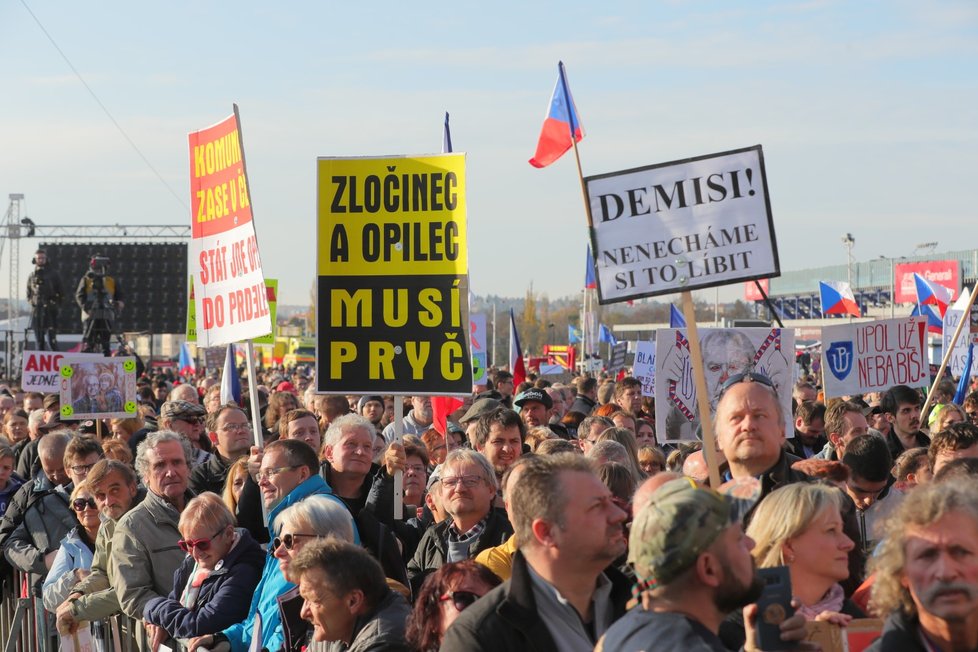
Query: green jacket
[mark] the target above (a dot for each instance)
(145, 553)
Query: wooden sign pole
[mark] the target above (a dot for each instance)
(702, 393)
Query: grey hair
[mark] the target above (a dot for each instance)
(461, 456)
(324, 516)
(344, 424)
(154, 440)
(608, 450)
(54, 444)
(36, 418)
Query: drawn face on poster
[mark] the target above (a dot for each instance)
(98, 388)
(726, 352)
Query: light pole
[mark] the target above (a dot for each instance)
(847, 242)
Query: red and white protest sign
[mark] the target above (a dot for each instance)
(942, 272)
(230, 299)
(40, 370)
(873, 356)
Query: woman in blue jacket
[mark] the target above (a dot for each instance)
(212, 588)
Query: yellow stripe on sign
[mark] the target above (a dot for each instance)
(391, 216)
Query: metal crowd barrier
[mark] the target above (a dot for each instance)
(25, 626)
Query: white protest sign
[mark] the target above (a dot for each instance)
(683, 225)
(873, 356)
(39, 370)
(229, 288)
(726, 352)
(643, 367)
(953, 316)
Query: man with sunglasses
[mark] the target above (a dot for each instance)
(468, 486)
(187, 419)
(231, 434)
(94, 598)
(750, 432)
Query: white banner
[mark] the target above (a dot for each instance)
(953, 316)
(643, 367)
(874, 356)
(683, 225)
(726, 352)
(39, 370)
(229, 288)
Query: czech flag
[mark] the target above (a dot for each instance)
(188, 366)
(516, 365)
(837, 299)
(676, 319)
(560, 123)
(935, 324)
(932, 294)
(589, 281)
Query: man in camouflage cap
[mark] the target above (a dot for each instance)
(694, 567)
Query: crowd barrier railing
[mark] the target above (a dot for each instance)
(26, 626)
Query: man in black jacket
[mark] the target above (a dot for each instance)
(229, 429)
(562, 595)
(468, 486)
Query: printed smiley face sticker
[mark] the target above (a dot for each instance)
(67, 410)
(67, 371)
(129, 366)
(130, 407)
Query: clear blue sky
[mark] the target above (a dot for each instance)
(866, 111)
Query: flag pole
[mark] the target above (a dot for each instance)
(255, 411)
(965, 319)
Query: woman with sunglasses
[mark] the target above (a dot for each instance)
(74, 558)
(213, 587)
(313, 518)
(444, 595)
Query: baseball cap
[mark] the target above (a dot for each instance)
(534, 394)
(479, 407)
(180, 410)
(681, 521)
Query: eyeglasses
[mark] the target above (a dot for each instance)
(467, 481)
(268, 474)
(288, 540)
(81, 469)
(744, 377)
(81, 504)
(416, 468)
(460, 599)
(203, 545)
(240, 427)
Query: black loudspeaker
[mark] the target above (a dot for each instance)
(155, 295)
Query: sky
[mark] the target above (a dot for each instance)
(866, 112)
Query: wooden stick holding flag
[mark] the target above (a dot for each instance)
(965, 321)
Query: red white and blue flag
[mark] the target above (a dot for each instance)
(837, 299)
(188, 366)
(932, 294)
(560, 123)
(589, 281)
(935, 324)
(516, 365)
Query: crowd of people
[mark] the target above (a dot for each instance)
(546, 516)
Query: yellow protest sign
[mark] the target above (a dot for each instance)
(392, 276)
